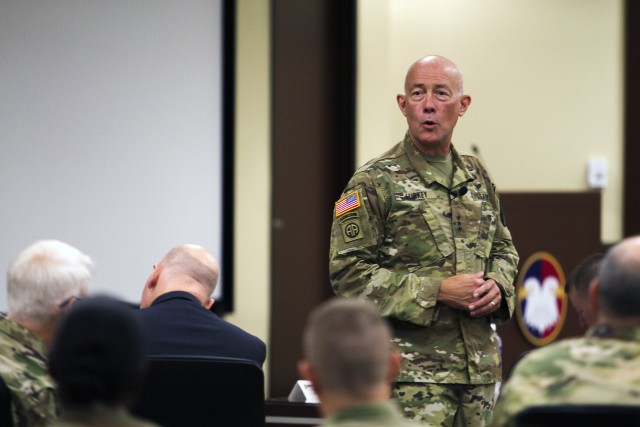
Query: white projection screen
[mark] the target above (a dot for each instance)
(111, 132)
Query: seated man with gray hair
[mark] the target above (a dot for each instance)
(351, 362)
(601, 368)
(42, 282)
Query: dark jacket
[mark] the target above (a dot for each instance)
(176, 324)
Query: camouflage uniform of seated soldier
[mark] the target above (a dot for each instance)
(42, 283)
(601, 368)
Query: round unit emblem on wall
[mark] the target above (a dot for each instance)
(541, 301)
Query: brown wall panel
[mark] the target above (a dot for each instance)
(567, 225)
(312, 139)
(631, 150)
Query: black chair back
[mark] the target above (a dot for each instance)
(202, 391)
(579, 415)
(6, 419)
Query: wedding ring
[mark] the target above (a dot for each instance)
(492, 303)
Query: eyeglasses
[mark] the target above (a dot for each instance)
(69, 302)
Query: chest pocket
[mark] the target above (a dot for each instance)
(486, 230)
(441, 235)
(416, 236)
(479, 226)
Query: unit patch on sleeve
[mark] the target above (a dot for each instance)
(348, 203)
(351, 227)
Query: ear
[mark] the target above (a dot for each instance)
(594, 301)
(152, 281)
(465, 101)
(149, 288)
(306, 372)
(395, 362)
(402, 103)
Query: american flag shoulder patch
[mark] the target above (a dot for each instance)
(348, 203)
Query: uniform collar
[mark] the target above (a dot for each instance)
(629, 333)
(383, 412)
(428, 173)
(21, 334)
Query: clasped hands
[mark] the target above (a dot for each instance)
(472, 293)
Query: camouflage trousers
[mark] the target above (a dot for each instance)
(446, 405)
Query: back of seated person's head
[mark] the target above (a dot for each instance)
(348, 346)
(194, 261)
(577, 287)
(43, 277)
(189, 268)
(618, 290)
(97, 354)
(584, 273)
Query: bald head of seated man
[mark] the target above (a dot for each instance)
(175, 310)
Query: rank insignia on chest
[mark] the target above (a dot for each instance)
(348, 203)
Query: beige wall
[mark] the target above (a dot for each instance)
(253, 174)
(545, 78)
(546, 82)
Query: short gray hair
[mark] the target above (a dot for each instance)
(43, 276)
(619, 288)
(348, 344)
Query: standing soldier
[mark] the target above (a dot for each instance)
(420, 232)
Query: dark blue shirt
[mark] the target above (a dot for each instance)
(177, 324)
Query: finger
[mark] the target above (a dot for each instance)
(493, 296)
(485, 288)
(484, 310)
(478, 278)
(493, 305)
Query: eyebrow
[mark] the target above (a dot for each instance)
(437, 86)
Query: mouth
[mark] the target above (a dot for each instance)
(429, 124)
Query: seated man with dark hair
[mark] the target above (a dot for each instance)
(42, 282)
(97, 362)
(578, 284)
(601, 368)
(351, 362)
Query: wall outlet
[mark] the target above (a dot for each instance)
(598, 173)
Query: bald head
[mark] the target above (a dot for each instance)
(432, 102)
(619, 280)
(437, 64)
(193, 261)
(189, 268)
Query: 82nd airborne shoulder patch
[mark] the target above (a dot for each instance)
(351, 227)
(350, 224)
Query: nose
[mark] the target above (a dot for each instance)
(428, 105)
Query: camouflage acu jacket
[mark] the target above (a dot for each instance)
(385, 414)
(397, 232)
(23, 367)
(602, 368)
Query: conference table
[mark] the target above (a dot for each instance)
(280, 412)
